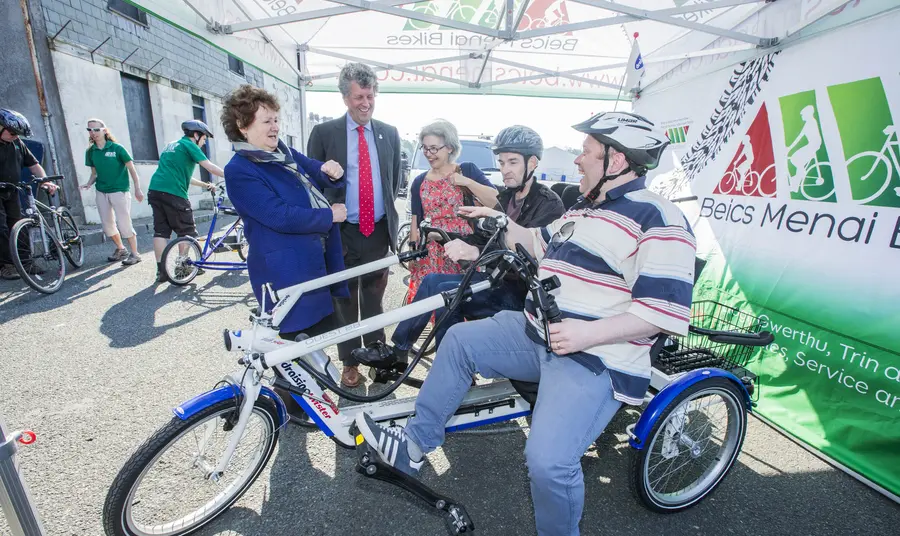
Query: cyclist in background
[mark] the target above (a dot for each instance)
(14, 156)
(168, 190)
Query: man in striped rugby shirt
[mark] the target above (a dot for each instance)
(625, 258)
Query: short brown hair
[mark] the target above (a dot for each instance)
(240, 108)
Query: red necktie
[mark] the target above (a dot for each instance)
(366, 195)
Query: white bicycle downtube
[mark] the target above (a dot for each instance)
(292, 294)
(368, 325)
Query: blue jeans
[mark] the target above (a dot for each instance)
(574, 405)
(482, 305)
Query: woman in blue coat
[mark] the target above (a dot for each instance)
(290, 226)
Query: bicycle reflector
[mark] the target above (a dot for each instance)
(28, 437)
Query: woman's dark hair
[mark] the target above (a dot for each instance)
(240, 108)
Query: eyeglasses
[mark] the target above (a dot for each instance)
(89, 129)
(563, 235)
(432, 149)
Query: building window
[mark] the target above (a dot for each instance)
(140, 118)
(199, 106)
(128, 11)
(235, 65)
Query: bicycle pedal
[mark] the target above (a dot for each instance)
(456, 519)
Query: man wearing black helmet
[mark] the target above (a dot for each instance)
(14, 156)
(525, 201)
(168, 190)
(625, 260)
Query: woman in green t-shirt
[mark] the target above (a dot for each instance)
(110, 166)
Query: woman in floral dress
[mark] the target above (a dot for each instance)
(438, 193)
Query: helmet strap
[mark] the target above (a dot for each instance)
(528, 176)
(592, 196)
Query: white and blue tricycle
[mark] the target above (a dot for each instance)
(217, 444)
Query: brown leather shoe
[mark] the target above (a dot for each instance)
(350, 377)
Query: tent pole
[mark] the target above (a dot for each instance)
(301, 79)
(619, 94)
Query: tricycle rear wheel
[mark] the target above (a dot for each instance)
(691, 447)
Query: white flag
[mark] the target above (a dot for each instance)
(634, 71)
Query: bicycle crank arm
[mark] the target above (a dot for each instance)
(456, 519)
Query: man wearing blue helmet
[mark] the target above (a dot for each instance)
(14, 156)
(168, 191)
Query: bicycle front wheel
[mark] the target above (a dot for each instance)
(180, 260)
(73, 245)
(163, 489)
(37, 257)
(692, 446)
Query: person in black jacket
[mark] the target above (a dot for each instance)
(14, 157)
(525, 201)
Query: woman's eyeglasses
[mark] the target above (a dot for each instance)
(89, 129)
(432, 149)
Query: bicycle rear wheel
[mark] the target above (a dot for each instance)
(692, 446)
(163, 489)
(39, 262)
(180, 260)
(73, 244)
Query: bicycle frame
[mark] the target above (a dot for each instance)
(263, 349)
(209, 250)
(270, 351)
(33, 211)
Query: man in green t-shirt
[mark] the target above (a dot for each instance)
(110, 166)
(168, 191)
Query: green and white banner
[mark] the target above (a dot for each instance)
(795, 160)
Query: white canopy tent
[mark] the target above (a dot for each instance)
(548, 48)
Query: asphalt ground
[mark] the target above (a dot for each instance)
(97, 367)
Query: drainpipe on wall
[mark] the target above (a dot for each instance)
(45, 114)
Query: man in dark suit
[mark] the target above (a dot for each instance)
(369, 151)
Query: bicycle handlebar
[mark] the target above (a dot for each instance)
(763, 338)
(33, 180)
(425, 230)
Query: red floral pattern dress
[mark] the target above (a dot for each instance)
(440, 201)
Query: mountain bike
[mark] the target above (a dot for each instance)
(39, 241)
(195, 467)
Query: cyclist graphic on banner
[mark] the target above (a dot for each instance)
(751, 171)
(804, 157)
(746, 162)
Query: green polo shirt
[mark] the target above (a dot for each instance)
(109, 163)
(176, 166)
